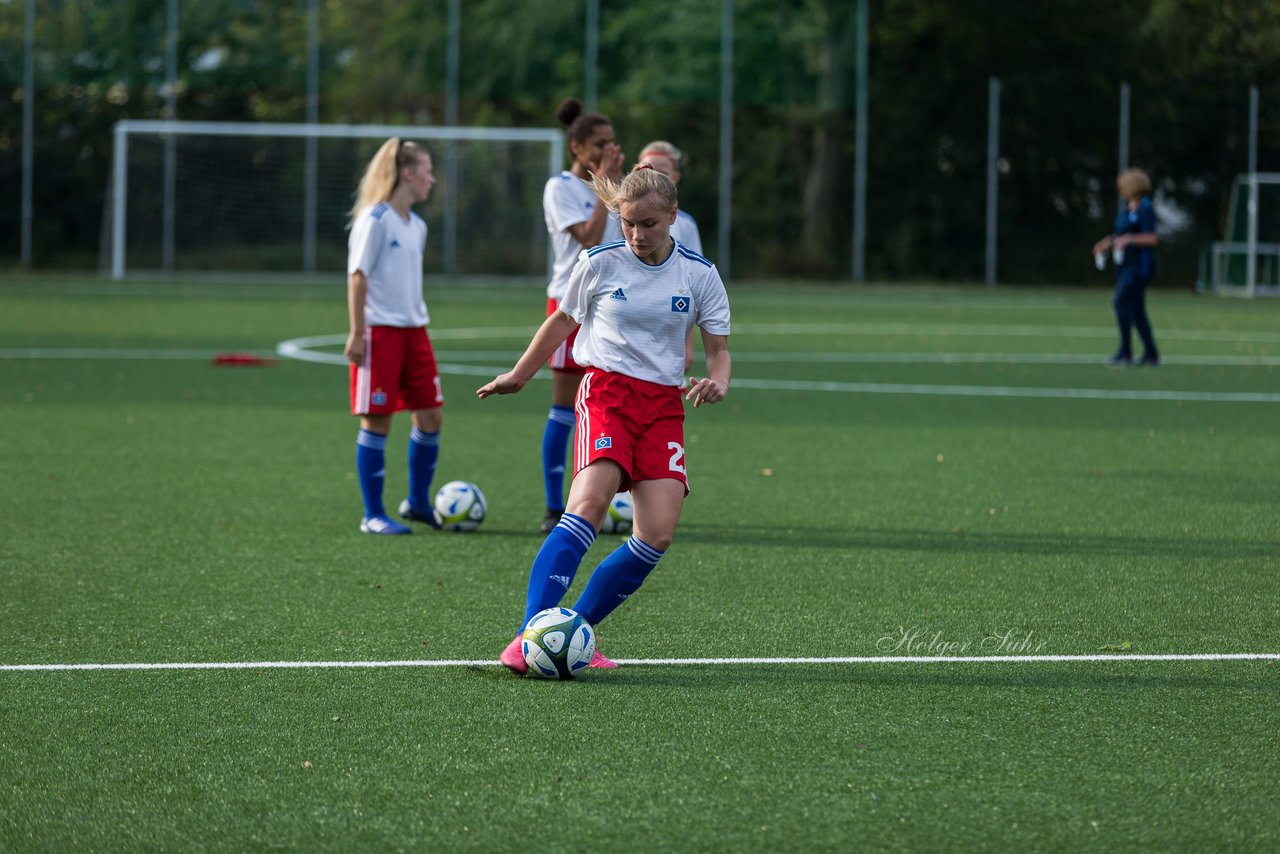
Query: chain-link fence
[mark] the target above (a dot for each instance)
(769, 130)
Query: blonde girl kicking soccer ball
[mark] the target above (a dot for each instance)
(632, 303)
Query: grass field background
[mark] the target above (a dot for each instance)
(896, 471)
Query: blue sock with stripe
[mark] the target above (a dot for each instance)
(617, 577)
(555, 439)
(557, 563)
(424, 450)
(371, 469)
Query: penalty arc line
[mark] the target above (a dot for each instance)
(869, 659)
(302, 349)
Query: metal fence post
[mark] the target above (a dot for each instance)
(726, 136)
(860, 149)
(993, 176)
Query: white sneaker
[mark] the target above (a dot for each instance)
(382, 525)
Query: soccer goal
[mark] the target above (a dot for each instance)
(1247, 262)
(244, 197)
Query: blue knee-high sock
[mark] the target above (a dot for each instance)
(557, 563)
(371, 469)
(424, 449)
(617, 577)
(555, 439)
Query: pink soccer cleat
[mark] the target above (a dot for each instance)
(600, 662)
(513, 656)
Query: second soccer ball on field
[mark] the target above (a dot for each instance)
(461, 506)
(620, 515)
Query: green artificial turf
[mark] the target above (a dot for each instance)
(157, 508)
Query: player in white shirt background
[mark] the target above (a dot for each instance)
(576, 220)
(668, 160)
(393, 367)
(633, 305)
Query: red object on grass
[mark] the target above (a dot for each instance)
(242, 359)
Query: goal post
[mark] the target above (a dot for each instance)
(266, 197)
(1247, 261)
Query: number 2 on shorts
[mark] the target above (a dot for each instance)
(677, 457)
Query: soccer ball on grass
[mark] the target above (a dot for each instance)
(558, 644)
(620, 515)
(461, 506)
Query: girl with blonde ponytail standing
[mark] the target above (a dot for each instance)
(393, 367)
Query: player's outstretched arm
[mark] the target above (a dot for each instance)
(715, 385)
(549, 336)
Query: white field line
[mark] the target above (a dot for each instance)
(104, 353)
(642, 662)
(303, 349)
(991, 331)
(871, 358)
(299, 349)
(1009, 391)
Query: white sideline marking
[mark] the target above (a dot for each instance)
(991, 331)
(869, 659)
(1009, 391)
(120, 353)
(299, 349)
(302, 349)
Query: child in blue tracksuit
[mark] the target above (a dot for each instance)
(1133, 246)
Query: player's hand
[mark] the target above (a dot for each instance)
(354, 351)
(504, 384)
(610, 163)
(705, 390)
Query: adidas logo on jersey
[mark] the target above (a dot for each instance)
(618, 294)
(395, 244)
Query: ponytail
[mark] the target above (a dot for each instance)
(640, 182)
(383, 173)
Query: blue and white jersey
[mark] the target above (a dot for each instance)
(1140, 220)
(388, 249)
(566, 201)
(635, 317)
(685, 230)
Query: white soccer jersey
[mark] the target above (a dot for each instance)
(635, 317)
(566, 201)
(388, 250)
(685, 230)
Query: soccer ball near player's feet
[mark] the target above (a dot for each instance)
(461, 506)
(620, 515)
(558, 644)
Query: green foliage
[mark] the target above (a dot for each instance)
(1189, 63)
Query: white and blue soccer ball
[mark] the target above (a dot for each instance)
(620, 516)
(461, 506)
(558, 644)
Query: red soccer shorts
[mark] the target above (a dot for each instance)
(562, 358)
(637, 424)
(398, 372)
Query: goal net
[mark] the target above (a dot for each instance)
(1247, 261)
(216, 197)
